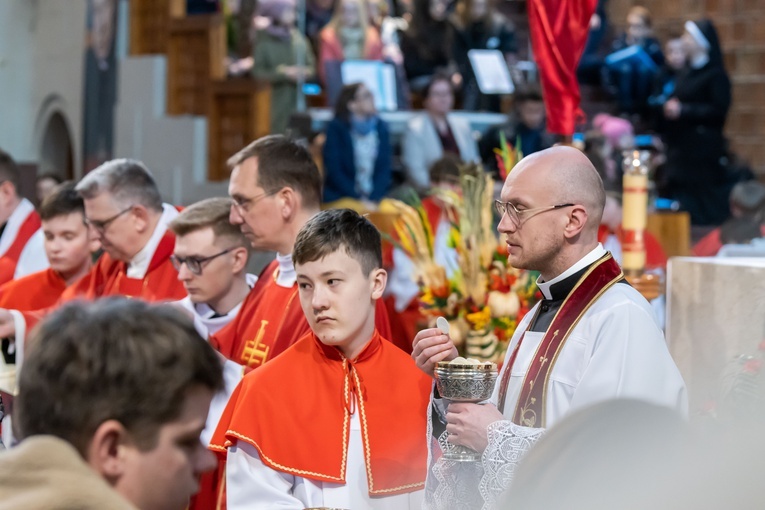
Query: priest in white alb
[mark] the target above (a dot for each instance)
(591, 338)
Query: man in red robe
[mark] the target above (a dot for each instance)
(21, 242)
(68, 247)
(276, 189)
(125, 211)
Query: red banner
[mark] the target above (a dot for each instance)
(559, 30)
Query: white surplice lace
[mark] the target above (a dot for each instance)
(477, 485)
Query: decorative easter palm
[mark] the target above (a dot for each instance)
(486, 297)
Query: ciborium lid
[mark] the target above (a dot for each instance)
(473, 367)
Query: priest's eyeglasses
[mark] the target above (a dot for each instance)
(517, 217)
(102, 225)
(244, 204)
(195, 264)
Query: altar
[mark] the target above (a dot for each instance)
(715, 328)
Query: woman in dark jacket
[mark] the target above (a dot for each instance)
(357, 153)
(695, 116)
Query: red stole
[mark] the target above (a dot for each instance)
(296, 411)
(32, 292)
(11, 256)
(531, 406)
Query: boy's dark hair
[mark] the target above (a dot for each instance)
(9, 171)
(283, 163)
(331, 230)
(64, 200)
(346, 95)
(113, 359)
(446, 169)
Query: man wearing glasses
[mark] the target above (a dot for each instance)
(124, 209)
(591, 338)
(211, 257)
(276, 188)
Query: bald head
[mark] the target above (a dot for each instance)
(567, 176)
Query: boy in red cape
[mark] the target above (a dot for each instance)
(339, 419)
(68, 247)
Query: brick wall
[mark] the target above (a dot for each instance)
(741, 26)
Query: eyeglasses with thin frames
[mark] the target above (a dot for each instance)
(102, 225)
(517, 216)
(195, 264)
(244, 204)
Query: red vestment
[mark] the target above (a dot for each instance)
(109, 278)
(10, 258)
(32, 292)
(271, 320)
(711, 243)
(296, 412)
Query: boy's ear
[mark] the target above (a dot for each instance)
(106, 451)
(378, 279)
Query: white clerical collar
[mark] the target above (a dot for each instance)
(585, 261)
(13, 225)
(286, 275)
(699, 61)
(139, 265)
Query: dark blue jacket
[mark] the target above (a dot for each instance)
(340, 167)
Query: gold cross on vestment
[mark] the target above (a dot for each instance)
(254, 353)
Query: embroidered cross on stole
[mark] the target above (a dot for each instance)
(530, 409)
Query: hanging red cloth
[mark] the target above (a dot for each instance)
(559, 30)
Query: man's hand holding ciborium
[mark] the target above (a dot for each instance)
(463, 383)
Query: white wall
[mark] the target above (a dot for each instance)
(41, 73)
(17, 23)
(173, 148)
(41, 59)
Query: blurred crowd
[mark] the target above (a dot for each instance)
(669, 96)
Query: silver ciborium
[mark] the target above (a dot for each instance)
(464, 382)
